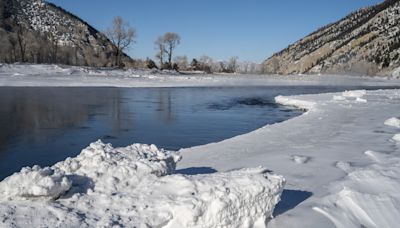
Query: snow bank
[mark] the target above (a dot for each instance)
(135, 186)
(54, 70)
(394, 122)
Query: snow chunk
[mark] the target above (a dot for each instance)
(393, 122)
(239, 198)
(345, 166)
(396, 137)
(361, 100)
(300, 159)
(135, 186)
(338, 98)
(35, 183)
(374, 156)
(354, 93)
(137, 159)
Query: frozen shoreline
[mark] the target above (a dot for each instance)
(54, 75)
(339, 158)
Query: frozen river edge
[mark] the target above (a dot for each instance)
(322, 154)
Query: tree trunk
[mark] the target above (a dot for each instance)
(170, 57)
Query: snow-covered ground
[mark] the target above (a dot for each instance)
(55, 75)
(340, 160)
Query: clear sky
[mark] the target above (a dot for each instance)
(252, 30)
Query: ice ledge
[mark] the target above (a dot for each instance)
(289, 101)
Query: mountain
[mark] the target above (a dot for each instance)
(364, 42)
(50, 33)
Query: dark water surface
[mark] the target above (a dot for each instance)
(45, 125)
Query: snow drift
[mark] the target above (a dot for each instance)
(135, 186)
(368, 197)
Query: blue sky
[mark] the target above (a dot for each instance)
(252, 30)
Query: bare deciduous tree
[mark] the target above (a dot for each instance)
(122, 35)
(165, 45)
(171, 40)
(53, 47)
(182, 62)
(160, 50)
(13, 44)
(233, 64)
(22, 42)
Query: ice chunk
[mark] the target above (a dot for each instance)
(300, 159)
(396, 137)
(234, 199)
(361, 100)
(338, 98)
(393, 122)
(354, 93)
(307, 105)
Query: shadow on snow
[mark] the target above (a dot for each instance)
(289, 200)
(196, 170)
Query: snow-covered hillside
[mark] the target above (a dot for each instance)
(44, 19)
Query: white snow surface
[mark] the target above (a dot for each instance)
(134, 187)
(340, 161)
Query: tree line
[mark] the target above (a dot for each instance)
(122, 35)
(20, 44)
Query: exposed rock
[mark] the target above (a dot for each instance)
(365, 42)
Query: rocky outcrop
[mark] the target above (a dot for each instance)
(365, 42)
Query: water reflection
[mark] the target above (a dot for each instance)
(165, 107)
(31, 114)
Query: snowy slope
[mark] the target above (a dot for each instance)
(53, 22)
